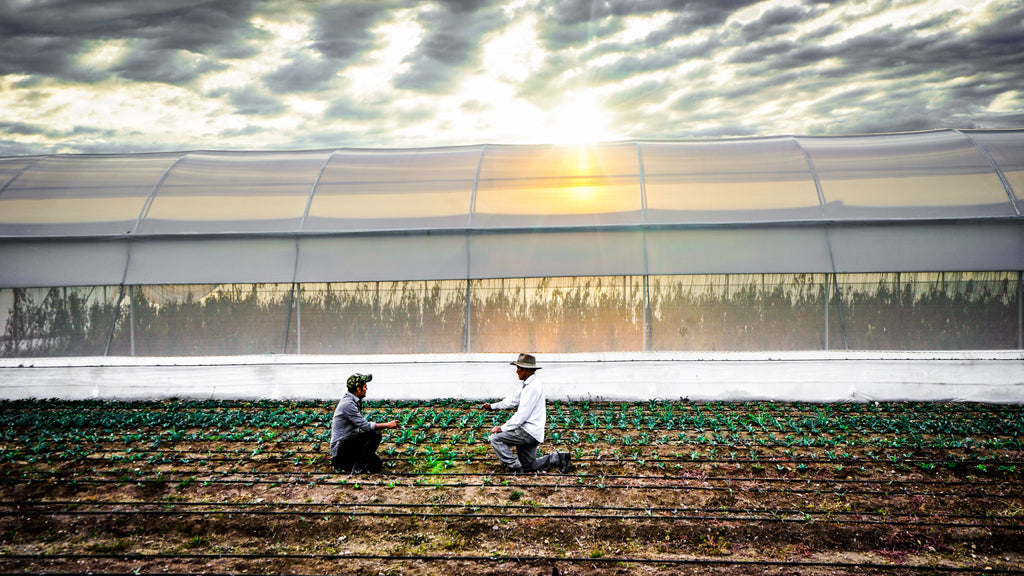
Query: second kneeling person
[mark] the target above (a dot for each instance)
(525, 429)
(354, 439)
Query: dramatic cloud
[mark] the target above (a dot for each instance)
(450, 47)
(150, 75)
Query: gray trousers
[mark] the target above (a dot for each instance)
(526, 450)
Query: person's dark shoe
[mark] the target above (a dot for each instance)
(564, 462)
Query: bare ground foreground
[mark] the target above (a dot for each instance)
(219, 487)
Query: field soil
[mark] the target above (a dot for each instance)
(649, 495)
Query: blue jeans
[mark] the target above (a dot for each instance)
(525, 459)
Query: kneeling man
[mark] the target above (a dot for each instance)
(354, 439)
(525, 429)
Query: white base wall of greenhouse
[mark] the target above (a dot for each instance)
(975, 376)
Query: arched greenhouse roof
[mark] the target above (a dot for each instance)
(941, 200)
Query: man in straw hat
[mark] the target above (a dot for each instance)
(354, 439)
(525, 429)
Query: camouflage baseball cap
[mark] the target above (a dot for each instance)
(357, 379)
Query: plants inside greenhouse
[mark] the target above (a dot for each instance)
(949, 311)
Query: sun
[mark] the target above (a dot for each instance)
(579, 119)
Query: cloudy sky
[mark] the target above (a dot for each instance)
(152, 75)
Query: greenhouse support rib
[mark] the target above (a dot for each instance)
(128, 259)
(295, 270)
(831, 253)
(648, 321)
(20, 172)
(998, 171)
(466, 342)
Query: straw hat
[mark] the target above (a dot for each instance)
(526, 361)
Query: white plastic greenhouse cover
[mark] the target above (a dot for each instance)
(936, 201)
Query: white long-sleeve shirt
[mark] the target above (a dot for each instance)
(531, 408)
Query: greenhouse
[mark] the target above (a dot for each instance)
(640, 251)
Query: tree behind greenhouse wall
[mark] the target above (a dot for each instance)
(498, 317)
(235, 319)
(62, 322)
(905, 312)
(443, 319)
(791, 314)
(739, 312)
(743, 313)
(339, 320)
(383, 317)
(422, 316)
(400, 316)
(556, 315)
(314, 306)
(967, 314)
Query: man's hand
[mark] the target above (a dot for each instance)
(392, 424)
(496, 429)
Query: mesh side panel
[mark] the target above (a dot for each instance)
(931, 311)
(548, 315)
(738, 312)
(72, 321)
(209, 320)
(382, 317)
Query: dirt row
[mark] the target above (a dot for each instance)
(668, 506)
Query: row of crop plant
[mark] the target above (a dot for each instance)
(40, 426)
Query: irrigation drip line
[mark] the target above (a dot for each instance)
(580, 461)
(694, 562)
(520, 559)
(489, 515)
(743, 441)
(464, 434)
(741, 479)
(648, 513)
(260, 477)
(785, 477)
(502, 484)
(265, 504)
(190, 476)
(649, 460)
